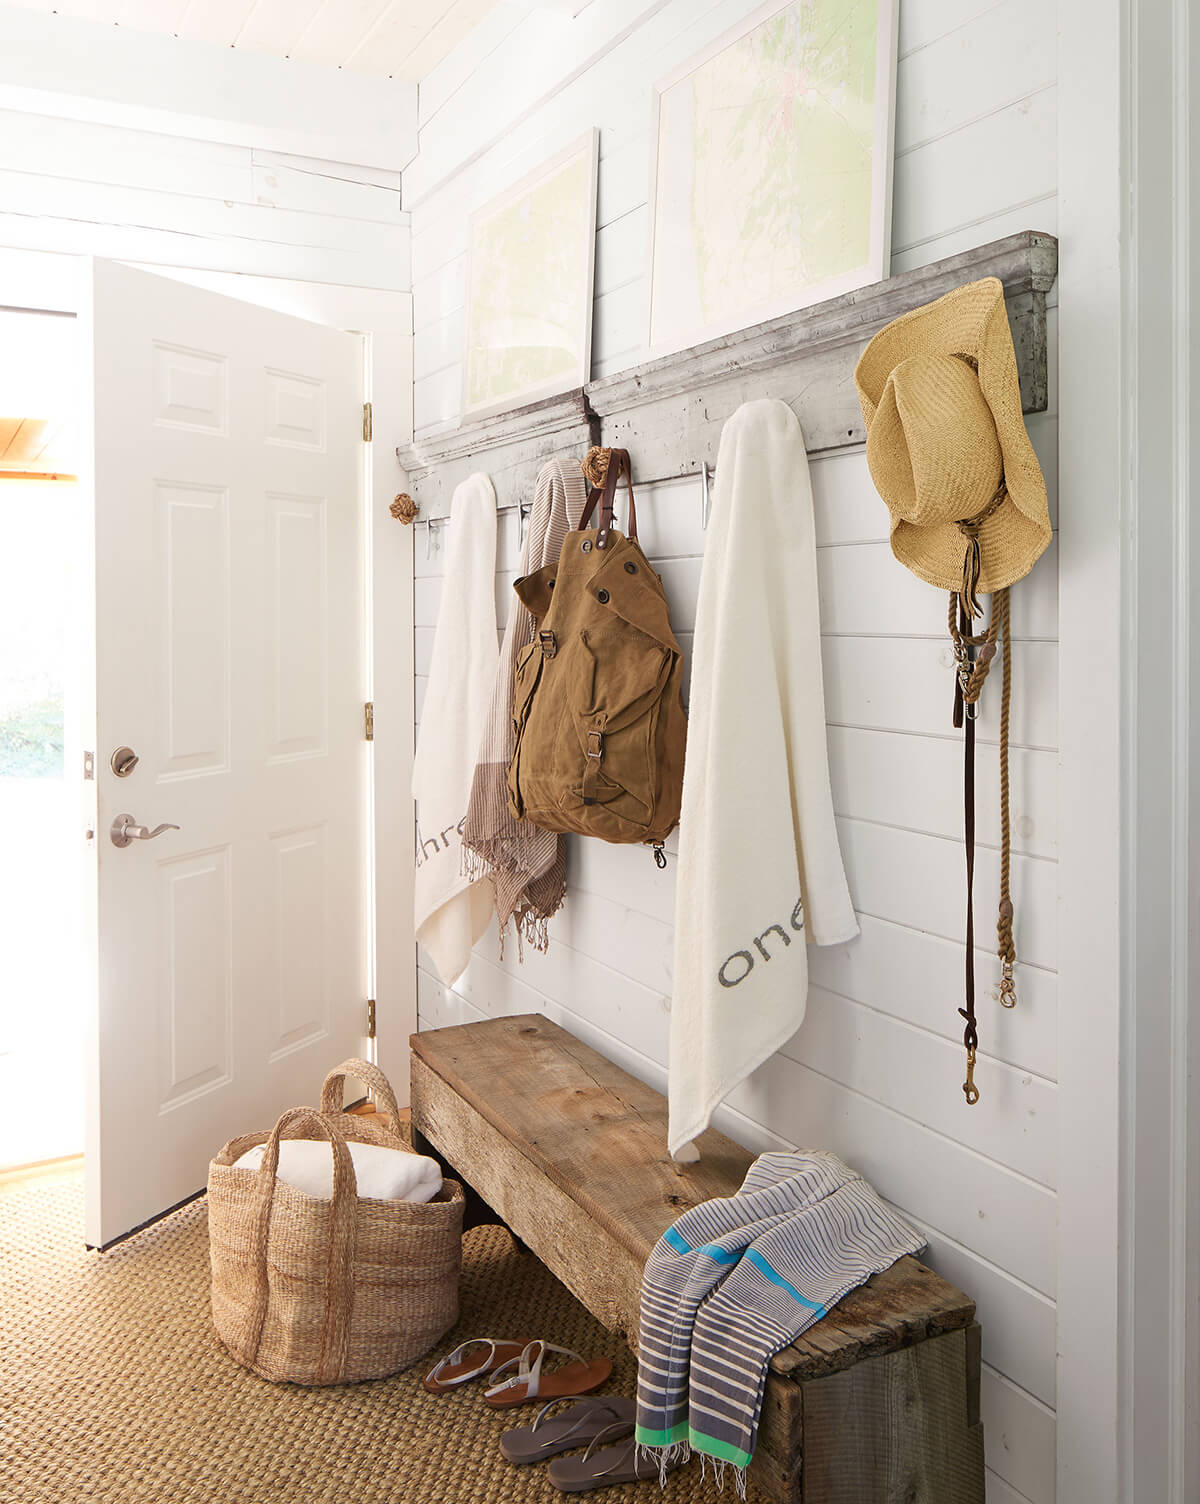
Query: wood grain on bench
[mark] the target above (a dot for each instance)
(599, 1135)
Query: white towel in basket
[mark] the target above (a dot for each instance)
(382, 1174)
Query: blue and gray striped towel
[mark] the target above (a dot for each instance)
(735, 1280)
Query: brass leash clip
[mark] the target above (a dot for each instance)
(970, 1090)
(1008, 988)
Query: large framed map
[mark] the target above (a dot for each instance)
(772, 169)
(530, 266)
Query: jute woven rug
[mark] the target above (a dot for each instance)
(113, 1385)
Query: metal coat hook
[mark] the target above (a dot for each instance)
(433, 523)
(523, 511)
(704, 495)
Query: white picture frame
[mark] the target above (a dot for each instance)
(539, 291)
(687, 306)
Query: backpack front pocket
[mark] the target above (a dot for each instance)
(615, 678)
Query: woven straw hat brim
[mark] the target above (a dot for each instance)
(1009, 546)
(971, 321)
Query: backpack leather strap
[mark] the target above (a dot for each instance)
(618, 463)
(594, 748)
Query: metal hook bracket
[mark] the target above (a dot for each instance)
(431, 541)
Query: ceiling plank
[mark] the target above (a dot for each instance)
(28, 441)
(390, 42)
(403, 39)
(139, 15)
(62, 66)
(454, 27)
(276, 26)
(337, 29)
(217, 21)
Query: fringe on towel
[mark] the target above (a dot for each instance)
(681, 1452)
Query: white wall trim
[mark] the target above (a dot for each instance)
(1129, 1312)
(52, 64)
(1093, 450)
(1160, 1373)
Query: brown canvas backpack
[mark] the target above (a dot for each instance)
(597, 703)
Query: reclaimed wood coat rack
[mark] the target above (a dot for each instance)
(669, 412)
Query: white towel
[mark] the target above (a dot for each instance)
(452, 911)
(760, 870)
(381, 1174)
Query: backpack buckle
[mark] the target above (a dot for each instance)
(549, 644)
(595, 744)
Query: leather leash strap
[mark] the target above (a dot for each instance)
(968, 712)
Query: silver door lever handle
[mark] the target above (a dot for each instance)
(125, 829)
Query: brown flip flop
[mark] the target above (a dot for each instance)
(624, 1463)
(575, 1428)
(456, 1368)
(529, 1383)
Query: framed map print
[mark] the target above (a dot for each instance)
(530, 263)
(772, 169)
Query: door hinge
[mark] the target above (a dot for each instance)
(366, 422)
(369, 720)
(370, 1018)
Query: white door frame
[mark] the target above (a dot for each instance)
(1129, 1067)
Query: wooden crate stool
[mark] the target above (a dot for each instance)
(877, 1403)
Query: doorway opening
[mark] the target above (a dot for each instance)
(42, 1013)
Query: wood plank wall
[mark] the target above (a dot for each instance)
(165, 200)
(874, 1072)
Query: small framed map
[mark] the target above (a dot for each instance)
(530, 264)
(772, 169)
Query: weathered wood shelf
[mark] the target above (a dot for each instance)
(879, 1400)
(669, 412)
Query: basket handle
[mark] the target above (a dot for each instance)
(333, 1091)
(343, 1237)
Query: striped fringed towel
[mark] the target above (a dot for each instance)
(735, 1280)
(528, 866)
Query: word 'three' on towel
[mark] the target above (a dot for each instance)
(760, 869)
(452, 910)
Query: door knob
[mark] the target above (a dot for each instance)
(125, 829)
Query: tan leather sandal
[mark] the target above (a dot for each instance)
(456, 1368)
(530, 1383)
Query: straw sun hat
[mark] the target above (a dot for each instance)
(946, 443)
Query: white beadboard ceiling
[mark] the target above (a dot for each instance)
(388, 38)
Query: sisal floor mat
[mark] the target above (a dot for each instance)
(114, 1387)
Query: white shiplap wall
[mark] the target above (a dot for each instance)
(875, 1071)
(93, 189)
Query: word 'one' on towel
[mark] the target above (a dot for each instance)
(452, 909)
(760, 869)
(735, 1280)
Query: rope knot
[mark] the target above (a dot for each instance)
(404, 508)
(595, 465)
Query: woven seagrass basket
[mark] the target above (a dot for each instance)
(329, 1292)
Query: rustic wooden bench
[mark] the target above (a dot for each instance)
(878, 1403)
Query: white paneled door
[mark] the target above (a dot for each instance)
(230, 662)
